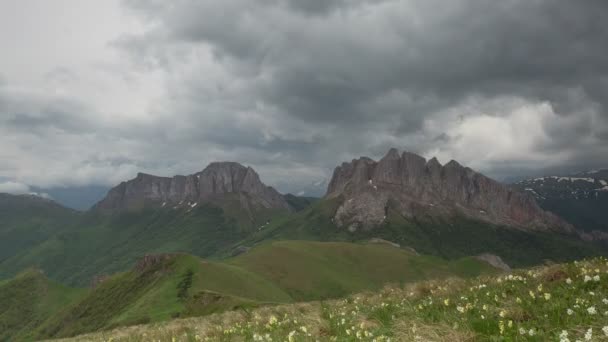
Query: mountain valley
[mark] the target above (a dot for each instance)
(158, 248)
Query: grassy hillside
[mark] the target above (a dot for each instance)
(450, 238)
(164, 287)
(28, 300)
(94, 244)
(104, 244)
(26, 221)
(587, 213)
(316, 270)
(167, 286)
(565, 302)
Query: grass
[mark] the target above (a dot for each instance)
(179, 285)
(28, 221)
(309, 270)
(28, 300)
(174, 286)
(562, 302)
(97, 244)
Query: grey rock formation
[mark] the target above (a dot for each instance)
(214, 183)
(414, 186)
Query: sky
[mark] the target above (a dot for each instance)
(92, 92)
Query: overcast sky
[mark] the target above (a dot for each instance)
(91, 92)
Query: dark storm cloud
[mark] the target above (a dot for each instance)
(294, 87)
(36, 113)
(371, 73)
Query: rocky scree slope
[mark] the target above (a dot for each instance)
(416, 187)
(212, 184)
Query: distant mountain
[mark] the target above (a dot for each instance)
(28, 204)
(581, 198)
(203, 214)
(208, 186)
(27, 220)
(583, 185)
(413, 186)
(448, 211)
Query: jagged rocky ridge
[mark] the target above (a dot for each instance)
(218, 180)
(416, 187)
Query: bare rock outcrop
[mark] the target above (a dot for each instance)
(152, 261)
(408, 183)
(213, 183)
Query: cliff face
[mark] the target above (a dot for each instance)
(213, 183)
(414, 186)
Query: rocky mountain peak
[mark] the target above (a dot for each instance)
(414, 186)
(393, 153)
(215, 182)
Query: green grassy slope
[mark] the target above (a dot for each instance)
(168, 287)
(181, 285)
(26, 221)
(564, 302)
(104, 244)
(28, 300)
(450, 238)
(315, 270)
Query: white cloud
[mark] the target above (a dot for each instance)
(510, 133)
(14, 188)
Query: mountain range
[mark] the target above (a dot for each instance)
(400, 218)
(580, 198)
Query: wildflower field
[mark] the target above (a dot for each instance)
(567, 302)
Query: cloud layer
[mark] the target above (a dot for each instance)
(295, 87)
